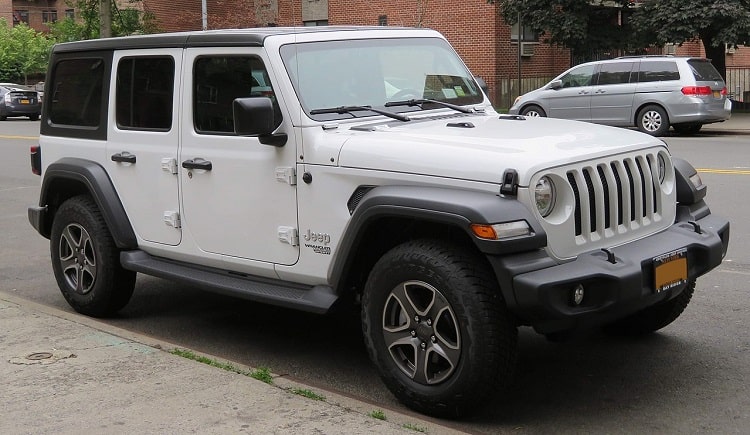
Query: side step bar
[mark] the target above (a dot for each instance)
(315, 299)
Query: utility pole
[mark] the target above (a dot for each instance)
(105, 18)
(204, 15)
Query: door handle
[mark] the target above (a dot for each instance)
(583, 92)
(123, 157)
(197, 164)
(600, 91)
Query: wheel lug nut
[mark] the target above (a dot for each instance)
(433, 338)
(413, 333)
(416, 318)
(429, 322)
(423, 345)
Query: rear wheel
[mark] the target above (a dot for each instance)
(34, 117)
(687, 129)
(86, 261)
(653, 120)
(653, 318)
(437, 329)
(533, 111)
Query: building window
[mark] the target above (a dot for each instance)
(313, 23)
(70, 13)
(20, 16)
(383, 20)
(527, 35)
(49, 16)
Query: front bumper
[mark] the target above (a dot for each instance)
(541, 292)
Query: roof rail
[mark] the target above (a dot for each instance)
(645, 55)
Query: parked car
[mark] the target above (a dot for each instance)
(18, 100)
(649, 92)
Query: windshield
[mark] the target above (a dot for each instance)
(373, 72)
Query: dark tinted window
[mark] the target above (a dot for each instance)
(144, 93)
(614, 73)
(658, 71)
(218, 81)
(76, 92)
(704, 71)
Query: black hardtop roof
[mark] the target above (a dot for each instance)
(251, 37)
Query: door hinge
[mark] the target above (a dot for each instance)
(286, 175)
(172, 218)
(169, 164)
(288, 235)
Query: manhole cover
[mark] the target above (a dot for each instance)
(38, 356)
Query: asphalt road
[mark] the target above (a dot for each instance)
(692, 377)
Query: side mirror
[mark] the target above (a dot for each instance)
(555, 84)
(254, 116)
(482, 85)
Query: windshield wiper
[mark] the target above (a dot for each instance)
(419, 102)
(349, 109)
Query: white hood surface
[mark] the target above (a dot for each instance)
(484, 147)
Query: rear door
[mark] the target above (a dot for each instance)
(706, 75)
(612, 96)
(143, 140)
(573, 100)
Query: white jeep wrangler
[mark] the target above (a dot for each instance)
(315, 168)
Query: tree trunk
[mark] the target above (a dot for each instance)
(717, 56)
(105, 19)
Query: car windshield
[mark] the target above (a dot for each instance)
(373, 72)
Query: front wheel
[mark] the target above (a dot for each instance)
(437, 328)
(86, 261)
(533, 111)
(653, 120)
(653, 318)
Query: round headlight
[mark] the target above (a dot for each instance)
(544, 195)
(662, 167)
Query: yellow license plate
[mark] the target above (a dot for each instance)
(670, 270)
(717, 94)
(25, 102)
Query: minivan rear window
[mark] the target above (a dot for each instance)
(704, 71)
(658, 71)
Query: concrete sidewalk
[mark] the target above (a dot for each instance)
(739, 123)
(64, 373)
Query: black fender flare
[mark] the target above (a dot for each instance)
(96, 182)
(450, 206)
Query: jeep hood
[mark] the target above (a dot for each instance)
(482, 147)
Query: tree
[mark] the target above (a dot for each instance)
(23, 51)
(715, 22)
(581, 25)
(124, 21)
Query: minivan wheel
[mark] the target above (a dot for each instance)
(687, 129)
(437, 329)
(34, 117)
(653, 120)
(86, 261)
(533, 111)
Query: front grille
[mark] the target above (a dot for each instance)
(620, 194)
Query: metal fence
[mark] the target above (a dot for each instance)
(738, 84)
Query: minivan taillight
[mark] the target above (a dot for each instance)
(697, 90)
(36, 159)
(724, 90)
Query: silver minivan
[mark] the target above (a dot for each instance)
(649, 92)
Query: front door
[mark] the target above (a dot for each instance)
(236, 197)
(573, 100)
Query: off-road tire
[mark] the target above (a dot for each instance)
(462, 286)
(653, 120)
(653, 318)
(86, 261)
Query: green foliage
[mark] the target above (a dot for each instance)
(125, 21)
(262, 374)
(414, 427)
(378, 414)
(308, 393)
(23, 51)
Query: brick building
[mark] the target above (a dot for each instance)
(35, 13)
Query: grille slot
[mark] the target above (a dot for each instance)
(619, 194)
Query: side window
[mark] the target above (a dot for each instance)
(77, 92)
(144, 93)
(614, 73)
(217, 81)
(580, 76)
(658, 71)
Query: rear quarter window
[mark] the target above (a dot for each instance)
(658, 71)
(704, 71)
(77, 92)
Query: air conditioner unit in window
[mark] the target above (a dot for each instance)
(670, 49)
(527, 49)
(729, 48)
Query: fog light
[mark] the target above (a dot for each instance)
(578, 294)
